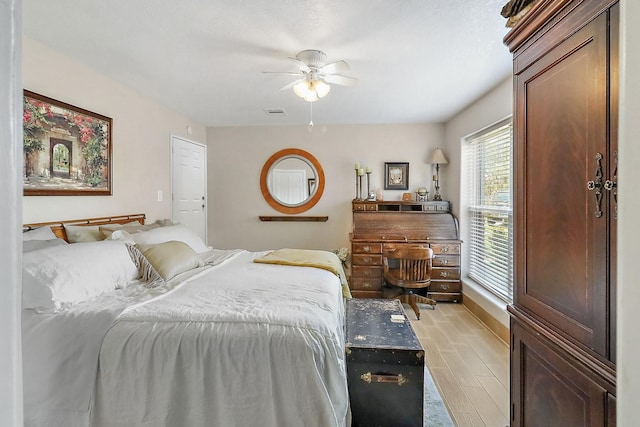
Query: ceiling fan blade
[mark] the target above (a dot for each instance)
(303, 67)
(340, 80)
(290, 85)
(335, 67)
(290, 73)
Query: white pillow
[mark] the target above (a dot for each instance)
(178, 232)
(40, 233)
(32, 245)
(122, 236)
(83, 233)
(60, 275)
(131, 228)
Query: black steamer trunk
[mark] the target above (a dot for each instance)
(385, 365)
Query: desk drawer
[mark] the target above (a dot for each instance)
(362, 271)
(445, 273)
(394, 246)
(446, 296)
(361, 207)
(366, 283)
(446, 248)
(362, 259)
(367, 248)
(445, 286)
(446, 261)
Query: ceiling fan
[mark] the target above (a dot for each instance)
(315, 74)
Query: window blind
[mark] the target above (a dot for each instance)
(490, 217)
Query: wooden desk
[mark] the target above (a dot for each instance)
(378, 226)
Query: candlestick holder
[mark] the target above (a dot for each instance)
(360, 191)
(357, 187)
(368, 183)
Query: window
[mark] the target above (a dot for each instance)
(490, 216)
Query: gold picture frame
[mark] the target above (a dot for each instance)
(67, 149)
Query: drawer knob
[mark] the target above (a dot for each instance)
(367, 285)
(445, 261)
(367, 249)
(444, 274)
(445, 287)
(445, 249)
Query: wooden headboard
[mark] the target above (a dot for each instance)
(58, 226)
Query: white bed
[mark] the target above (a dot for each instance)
(233, 343)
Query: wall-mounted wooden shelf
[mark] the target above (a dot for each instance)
(297, 218)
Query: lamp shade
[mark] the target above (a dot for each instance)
(437, 157)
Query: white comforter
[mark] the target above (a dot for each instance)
(242, 344)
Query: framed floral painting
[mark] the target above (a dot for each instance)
(67, 149)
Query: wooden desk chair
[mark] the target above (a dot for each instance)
(410, 269)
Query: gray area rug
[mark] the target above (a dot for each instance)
(435, 412)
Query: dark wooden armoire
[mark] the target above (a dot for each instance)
(563, 318)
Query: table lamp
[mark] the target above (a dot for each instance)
(437, 158)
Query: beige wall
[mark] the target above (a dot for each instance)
(141, 138)
(237, 154)
(494, 106)
(628, 342)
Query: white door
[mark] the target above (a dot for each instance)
(189, 185)
(289, 186)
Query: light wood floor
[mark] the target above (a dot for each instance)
(469, 364)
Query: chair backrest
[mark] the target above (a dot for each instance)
(412, 266)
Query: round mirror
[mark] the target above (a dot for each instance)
(292, 181)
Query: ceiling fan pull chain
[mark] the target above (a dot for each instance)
(311, 114)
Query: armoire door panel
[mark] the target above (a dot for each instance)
(563, 325)
(611, 411)
(564, 107)
(553, 391)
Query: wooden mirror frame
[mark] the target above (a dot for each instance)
(310, 202)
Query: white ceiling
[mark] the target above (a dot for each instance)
(415, 60)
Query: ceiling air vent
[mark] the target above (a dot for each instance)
(275, 112)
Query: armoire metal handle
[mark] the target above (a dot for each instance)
(612, 184)
(596, 185)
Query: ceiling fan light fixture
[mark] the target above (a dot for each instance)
(312, 58)
(321, 88)
(311, 96)
(316, 75)
(301, 89)
(311, 90)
